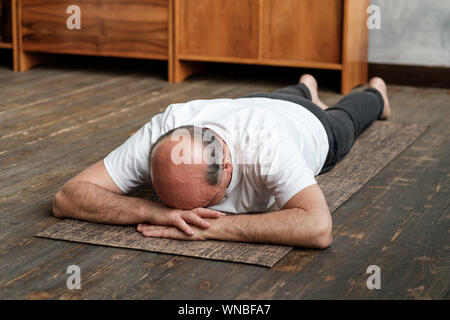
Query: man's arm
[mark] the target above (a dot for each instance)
(304, 221)
(92, 195)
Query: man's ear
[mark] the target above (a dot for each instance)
(227, 166)
(227, 162)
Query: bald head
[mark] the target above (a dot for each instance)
(186, 168)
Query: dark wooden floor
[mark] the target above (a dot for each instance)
(56, 120)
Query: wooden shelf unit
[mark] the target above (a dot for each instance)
(325, 34)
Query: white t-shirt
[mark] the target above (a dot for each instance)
(277, 148)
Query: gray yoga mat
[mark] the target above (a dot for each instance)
(376, 147)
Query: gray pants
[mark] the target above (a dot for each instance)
(343, 122)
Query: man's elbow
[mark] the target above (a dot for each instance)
(58, 203)
(324, 234)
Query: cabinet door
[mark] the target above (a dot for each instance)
(211, 28)
(137, 28)
(303, 30)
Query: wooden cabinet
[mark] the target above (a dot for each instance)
(120, 28)
(325, 34)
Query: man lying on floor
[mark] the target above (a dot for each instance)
(227, 169)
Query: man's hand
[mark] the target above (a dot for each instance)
(304, 221)
(175, 223)
(199, 233)
(171, 232)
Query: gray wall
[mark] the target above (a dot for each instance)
(415, 32)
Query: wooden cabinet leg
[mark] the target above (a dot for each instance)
(24, 60)
(28, 60)
(355, 45)
(353, 76)
(183, 69)
(14, 35)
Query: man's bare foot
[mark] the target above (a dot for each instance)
(309, 81)
(380, 85)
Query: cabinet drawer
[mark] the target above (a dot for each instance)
(225, 28)
(137, 28)
(304, 30)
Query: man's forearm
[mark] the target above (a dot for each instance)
(293, 227)
(88, 201)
